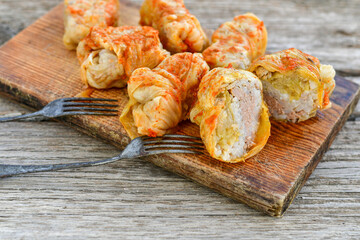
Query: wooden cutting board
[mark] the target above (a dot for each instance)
(35, 68)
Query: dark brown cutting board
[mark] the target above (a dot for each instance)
(35, 68)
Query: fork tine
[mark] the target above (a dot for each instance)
(181, 136)
(172, 146)
(88, 113)
(153, 152)
(89, 99)
(172, 136)
(89, 104)
(89, 109)
(171, 141)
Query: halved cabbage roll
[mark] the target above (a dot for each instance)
(81, 15)
(179, 30)
(233, 119)
(237, 43)
(162, 97)
(109, 56)
(295, 84)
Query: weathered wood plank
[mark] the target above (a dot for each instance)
(142, 200)
(268, 182)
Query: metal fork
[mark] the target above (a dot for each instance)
(138, 147)
(71, 106)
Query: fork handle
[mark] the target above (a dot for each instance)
(24, 116)
(13, 170)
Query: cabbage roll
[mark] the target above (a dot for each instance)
(162, 97)
(233, 119)
(237, 43)
(81, 15)
(179, 30)
(109, 56)
(295, 84)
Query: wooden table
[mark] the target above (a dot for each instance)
(133, 199)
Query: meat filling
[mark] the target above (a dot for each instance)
(240, 120)
(250, 120)
(280, 98)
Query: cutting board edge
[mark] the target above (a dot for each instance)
(14, 94)
(281, 202)
(307, 171)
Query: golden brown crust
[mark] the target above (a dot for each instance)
(179, 30)
(162, 97)
(132, 46)
(237, 43)
(81, 15)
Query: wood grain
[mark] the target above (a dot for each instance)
(268, 182)
(140, 200)
(135, 199)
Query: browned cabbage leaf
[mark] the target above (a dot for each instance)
(295, 84)
(233, 119)
(109, 55)
(237, 43)
(81, 15)
(162, 97)
(179, 30)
